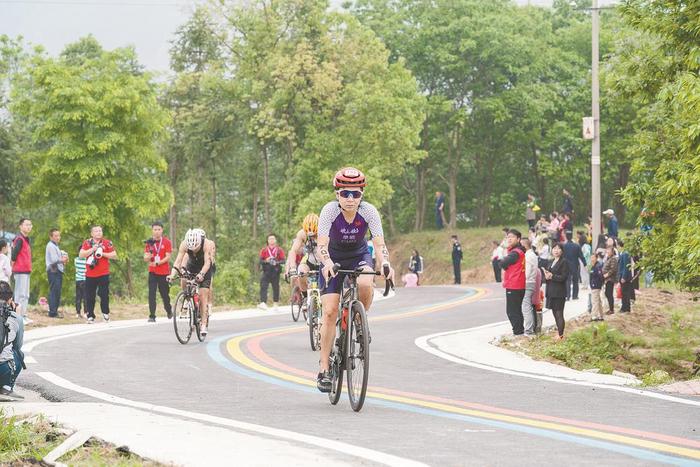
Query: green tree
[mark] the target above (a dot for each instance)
(660, 70)
(95, 124)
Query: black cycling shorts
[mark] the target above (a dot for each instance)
(206, 282)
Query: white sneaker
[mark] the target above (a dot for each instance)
(203, 330)
(90, 320)
(262, 305)
(105, 316)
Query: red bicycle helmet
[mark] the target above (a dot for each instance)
(349, 177)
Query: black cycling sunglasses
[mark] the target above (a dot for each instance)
(350, 194)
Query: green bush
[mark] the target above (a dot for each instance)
(232, 283)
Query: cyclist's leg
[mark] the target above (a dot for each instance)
(303, 283)
(205, 297)
(365, 283)
(329, 303)
(203, 302)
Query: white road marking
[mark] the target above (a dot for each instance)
(479, 431)
(423, 343)
(30, 359)
(356, 451)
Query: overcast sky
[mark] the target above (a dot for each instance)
(146, 24)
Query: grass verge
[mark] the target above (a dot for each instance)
(26, 440)
(659, 342)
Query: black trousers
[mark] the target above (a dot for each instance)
(496, 269)
(96, 286)
(160, 283)
(572, 282)
(457, 267)
(514, 303)
(79, 295)
(609, 294)
(270, 278)
(55, 284)
(627, 291)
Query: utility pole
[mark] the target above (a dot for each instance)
(595, 150)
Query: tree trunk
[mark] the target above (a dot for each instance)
(129, 277)
(255, 206)
(420, 197)
(392, 223)
(454, 152)
(266, 184)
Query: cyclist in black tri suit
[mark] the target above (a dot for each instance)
(200, 252)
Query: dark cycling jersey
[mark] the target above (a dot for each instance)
(347, 239)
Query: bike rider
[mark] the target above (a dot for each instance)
(200, 261)
(342, 227)
(305, 244)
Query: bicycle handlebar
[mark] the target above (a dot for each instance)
(360, 272)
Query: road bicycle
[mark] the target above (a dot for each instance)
(295, 299)
(350, 351)
(186, 314)
(312, 311)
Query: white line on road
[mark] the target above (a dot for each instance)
(356, 451)
(29, 359)
(423, 343)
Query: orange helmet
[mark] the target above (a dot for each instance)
(349, 177)
(310, 224)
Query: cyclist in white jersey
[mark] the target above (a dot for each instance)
(342, 227)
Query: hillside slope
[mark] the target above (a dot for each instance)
(436, 249)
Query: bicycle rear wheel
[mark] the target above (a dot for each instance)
(357, 356)
(295, 300)
(182, 318)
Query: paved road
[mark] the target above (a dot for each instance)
(420, 407)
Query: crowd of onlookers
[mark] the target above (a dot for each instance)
(547, 267)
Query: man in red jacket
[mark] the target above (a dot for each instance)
(514, 280)
(22, 265)
(98, 251)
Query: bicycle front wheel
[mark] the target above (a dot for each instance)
(182, 318)
(296, 302)
(336, 378)
(357, 356)
(314, 325)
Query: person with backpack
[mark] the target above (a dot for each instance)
(11, 339)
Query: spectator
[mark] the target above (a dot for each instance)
(514, 281)
(597, 280)
(610, 276)
(531, 267)
(80, 267)
(55, 265)
(572, 255)
(415, 265)
(457, 259)
(271, 259)
(556, 276)
(410, 279)
(567, 206)
(12, 333)
(496, 257)
(612, 223)
(532, 236)
(504, 242)
(545, 254)
(440, 210)
(98, 251)
(22, 266)
(586, 250)
(625, 278)
(566, 227)
(5, 266)
(554, 227)
(531, 209)
(542, 225)
(589, 229)
(157, 252)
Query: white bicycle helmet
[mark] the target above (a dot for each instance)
(193, 238)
